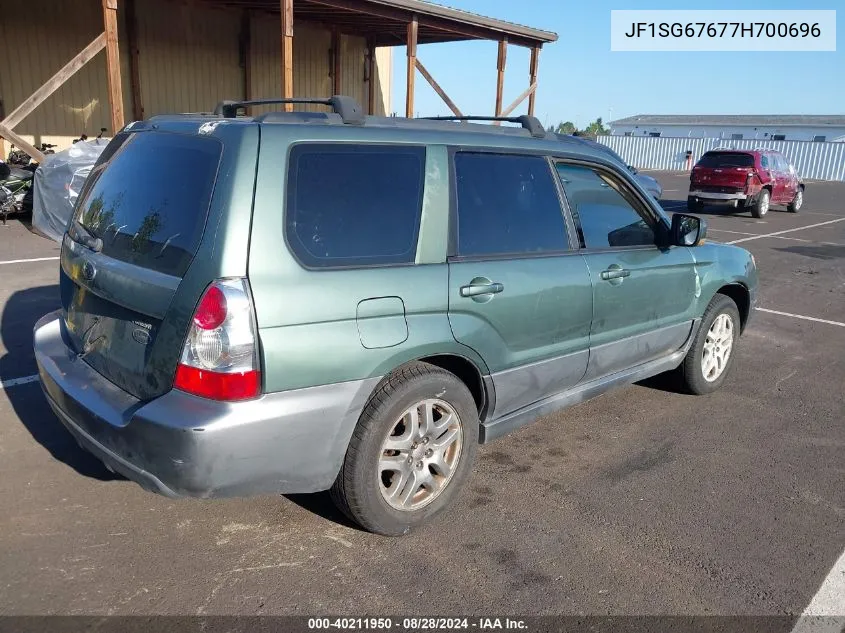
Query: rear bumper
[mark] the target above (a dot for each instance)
(182, 445)
(720, 197)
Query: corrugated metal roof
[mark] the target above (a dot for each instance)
(386, 20)
(733, 119)
(443, 11)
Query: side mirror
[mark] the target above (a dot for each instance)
(632, 169)
(688, 230)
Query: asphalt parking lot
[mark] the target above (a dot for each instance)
(643, 501)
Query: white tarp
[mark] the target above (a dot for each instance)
(57, 184)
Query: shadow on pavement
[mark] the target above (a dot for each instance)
(321, 504)
(20, 314)
(822, 251)
(669, 382)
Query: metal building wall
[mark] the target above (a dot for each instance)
(188, 56)
(384, 80)
(312, 63)
(310, 59)
(37, 38)
(816, 161)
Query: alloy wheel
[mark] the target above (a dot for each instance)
(717, 347)
(420, 454)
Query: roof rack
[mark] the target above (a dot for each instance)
(530, 123)
(347, 107)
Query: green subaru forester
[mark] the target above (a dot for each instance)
(303, 301)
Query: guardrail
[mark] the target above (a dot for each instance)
(812, 160)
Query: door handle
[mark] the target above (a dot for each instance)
(615, 273)
(475, 290)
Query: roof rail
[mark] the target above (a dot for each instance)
(347, 107)
(530, 123)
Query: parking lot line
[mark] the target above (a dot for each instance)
(826, 611)
(800, 239)
(726, 231)
(800, 228)
(14, 382)
(24, 261)
(801, 316)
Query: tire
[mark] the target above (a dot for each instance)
(797, 201)
(364, 490)
(693, 206)
(693, 374)
(761, 204)
(26, 203)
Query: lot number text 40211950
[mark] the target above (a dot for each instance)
(417, 624)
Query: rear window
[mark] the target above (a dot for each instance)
(726, 159)
(354, 205)
(149, 202)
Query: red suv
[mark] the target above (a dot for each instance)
(754, 179)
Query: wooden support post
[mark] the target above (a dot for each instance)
(371, 74)
(336, 86)
(113, 65)
(246, 54)
(52, 84)
(10, 136)
(424, 72)
(500, 77)
(412, 64)
(134, 68)
(526, 93)
(532, 78)
(286, 7)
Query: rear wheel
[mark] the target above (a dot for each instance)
(760, 207)
(797, 202)
(712, 353)
(694, 206)
(411, 452)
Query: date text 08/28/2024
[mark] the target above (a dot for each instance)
(417, 624)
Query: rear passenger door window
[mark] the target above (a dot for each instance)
(354, 205)
(507, 204)
(604, 212)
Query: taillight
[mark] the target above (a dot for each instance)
(749, 178)
(220, 358)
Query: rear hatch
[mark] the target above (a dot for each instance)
(137, 226)
(723, 170)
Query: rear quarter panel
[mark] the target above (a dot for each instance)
(308, 320)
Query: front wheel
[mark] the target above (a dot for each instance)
(411, 452)
(797, 202)
(711, 356)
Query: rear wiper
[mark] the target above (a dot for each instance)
(80, 234)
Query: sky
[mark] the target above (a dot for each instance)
(580, 79)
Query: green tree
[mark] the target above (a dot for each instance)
(596, 128)
(151, 225)
(564, 128)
